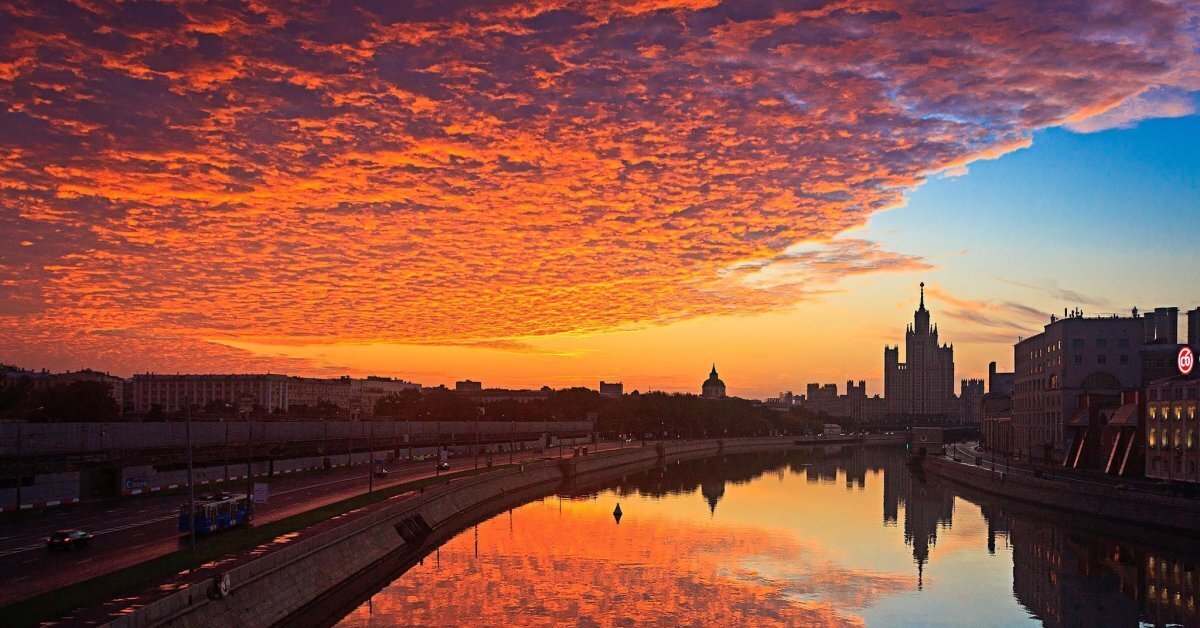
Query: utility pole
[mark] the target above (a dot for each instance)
(191, 484)
(371, 460)
(20, 467)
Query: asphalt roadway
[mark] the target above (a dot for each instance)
(134, 529)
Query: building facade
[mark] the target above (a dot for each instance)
(173, 393)
(467, 385)
(311, 392)
(996, 412)
(1075, 355)
(612, 390)
(970, 402)
(922, 387)
(854, 405)
(271, 393)
(1172, 428)
(367, 391)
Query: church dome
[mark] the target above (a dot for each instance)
(713, 386)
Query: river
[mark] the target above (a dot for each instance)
(841, 536)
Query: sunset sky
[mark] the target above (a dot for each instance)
(555, 192)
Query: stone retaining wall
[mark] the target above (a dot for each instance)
(1105, 501)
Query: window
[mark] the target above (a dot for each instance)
(1191, 441)
(1124, 359)
(1178, 438)
(1077, 344)
(1101, 359)
(1123, 343)
(1079, 359)
(1153, 439)
(1102, 343)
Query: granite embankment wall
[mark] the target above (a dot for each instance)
(278, 586)
(1099, 500)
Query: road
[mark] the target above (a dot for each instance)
(966, 454)
(138, 528)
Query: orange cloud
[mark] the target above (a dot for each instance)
(428, 173)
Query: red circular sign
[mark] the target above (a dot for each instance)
(1186, 360)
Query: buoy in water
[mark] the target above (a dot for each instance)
(617, 513)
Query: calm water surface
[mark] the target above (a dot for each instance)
(842, 536)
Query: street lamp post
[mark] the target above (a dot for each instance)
(226, 451)
(560, 443)
(191, 484)
(249, 460)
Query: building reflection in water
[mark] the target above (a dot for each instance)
(668, 564)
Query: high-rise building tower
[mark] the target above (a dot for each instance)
(923, 385)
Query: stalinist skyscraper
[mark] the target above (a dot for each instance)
(924, 385)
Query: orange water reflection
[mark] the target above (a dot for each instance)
(844, 536)
(577, 566)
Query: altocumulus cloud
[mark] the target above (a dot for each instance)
(456, 172)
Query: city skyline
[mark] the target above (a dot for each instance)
(533, 196)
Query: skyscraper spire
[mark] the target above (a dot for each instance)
(921, 317)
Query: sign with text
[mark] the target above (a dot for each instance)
(260, 492)
(1186, 360)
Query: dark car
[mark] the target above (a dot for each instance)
(68, 539)
(443, 465)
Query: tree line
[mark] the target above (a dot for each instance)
(636, 415)
(90, 401)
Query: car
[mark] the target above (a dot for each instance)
(68, 539)
(443, 465)
(379, 472)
